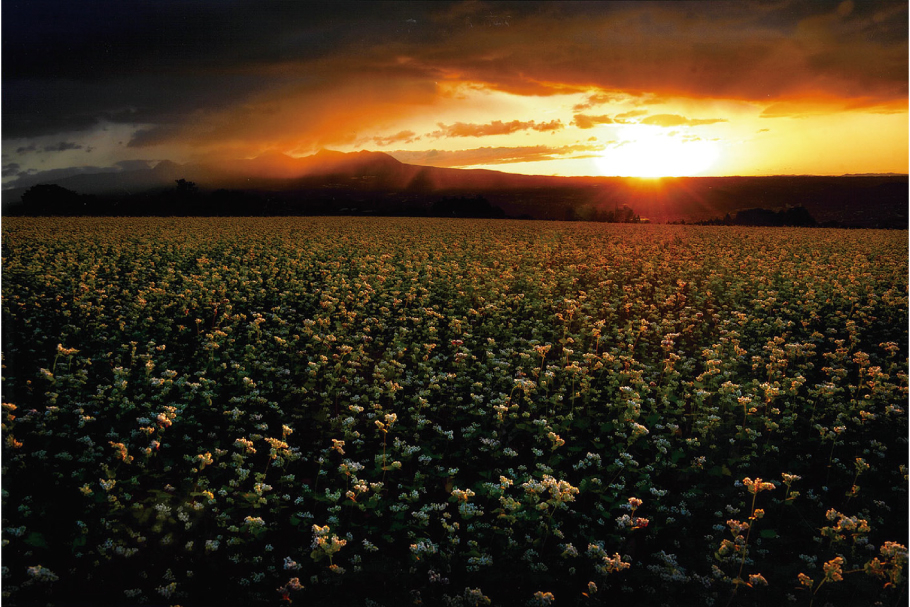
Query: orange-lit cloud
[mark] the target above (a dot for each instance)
(400, 137)
(584, 121)
(802, 108)
(669, 120)
(497, 127)
(493, 155)
(625, 116)
(597, 99)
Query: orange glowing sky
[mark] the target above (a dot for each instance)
(628, 88)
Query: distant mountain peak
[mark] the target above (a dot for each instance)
(326, 159)
(327, 153)
(165, 165)
(273, 155)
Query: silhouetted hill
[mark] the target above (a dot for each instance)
(366, 182)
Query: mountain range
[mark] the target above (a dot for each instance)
(331, 182)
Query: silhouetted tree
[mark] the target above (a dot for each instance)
(186, 188)
(621, 214)
(183, 200)
(52, 199)
(797, 216)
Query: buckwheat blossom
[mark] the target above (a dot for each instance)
(39, 573)
(542, 599)
(833, 569)
(757, 485)
(168, 590)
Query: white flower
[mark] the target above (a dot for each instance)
(42, 574)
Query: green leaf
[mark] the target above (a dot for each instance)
(36, 539)
(768, 533)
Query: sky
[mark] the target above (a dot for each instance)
(554, 88)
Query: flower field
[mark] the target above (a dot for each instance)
(363, 411)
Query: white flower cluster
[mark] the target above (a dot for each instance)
(40, 573)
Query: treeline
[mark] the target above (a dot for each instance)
(790, 217)
(187, 200)
(621, 214)
(184, 200)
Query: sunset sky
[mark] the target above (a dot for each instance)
(554, 88)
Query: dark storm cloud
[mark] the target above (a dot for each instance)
(63, 146)
(152, 136)
(103, 39)
(67, 65)
(134, 165)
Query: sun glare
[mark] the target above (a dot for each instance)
(647, 152)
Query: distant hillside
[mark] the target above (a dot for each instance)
(375, 183)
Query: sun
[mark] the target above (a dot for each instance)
(646, 151)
